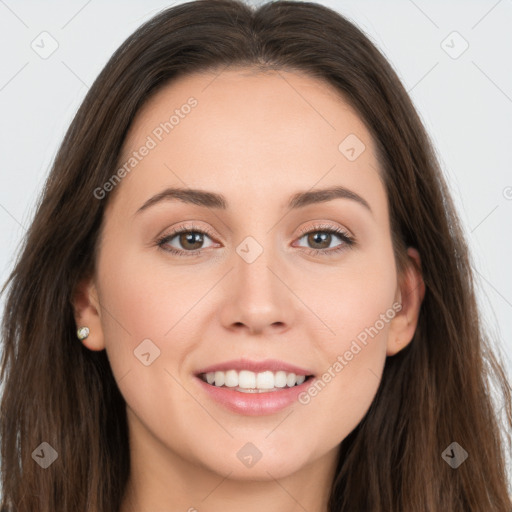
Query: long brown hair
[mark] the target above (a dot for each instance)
(440, 389)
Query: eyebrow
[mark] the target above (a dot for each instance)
(218, 201)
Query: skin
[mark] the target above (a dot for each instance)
(302, 308)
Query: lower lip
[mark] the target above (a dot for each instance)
(255, 404)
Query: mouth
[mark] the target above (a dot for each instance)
(254, 388)
(246, 381)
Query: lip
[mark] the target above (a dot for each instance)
(254, 404)
(272, 365)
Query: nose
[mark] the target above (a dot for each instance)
(256, 298)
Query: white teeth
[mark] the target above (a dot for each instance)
(291, 378)
(231, 379)
(280, 379)
(247, 381)
(219, 378)
(265, 380)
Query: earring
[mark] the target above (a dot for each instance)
(82, 333)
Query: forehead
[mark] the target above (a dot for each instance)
(245, 101)
(243, 129)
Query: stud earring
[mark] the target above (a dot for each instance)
(82, 333)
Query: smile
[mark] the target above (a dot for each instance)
(246, 381)
(253, 388)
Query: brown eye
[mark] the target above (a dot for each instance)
(319, 239)
(191, 240)
(185, 242)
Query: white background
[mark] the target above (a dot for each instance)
(465, 103)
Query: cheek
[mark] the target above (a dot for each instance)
(147, 294)
(146, 318)
(343, 392)
(142, 302)
(353, 297)
(359, 310)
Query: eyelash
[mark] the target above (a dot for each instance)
(348, 241)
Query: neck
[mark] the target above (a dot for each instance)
(162, 479)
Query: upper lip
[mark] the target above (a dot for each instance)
(272, 365)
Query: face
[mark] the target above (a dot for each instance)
(259, 280)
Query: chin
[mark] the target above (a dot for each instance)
(247, 464)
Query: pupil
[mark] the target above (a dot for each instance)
(190, 238)
(319, 237)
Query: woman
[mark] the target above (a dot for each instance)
(246, 286)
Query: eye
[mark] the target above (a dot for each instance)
(190, 238)
(321, 237)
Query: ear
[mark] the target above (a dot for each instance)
(87, 313)
(410, 293)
